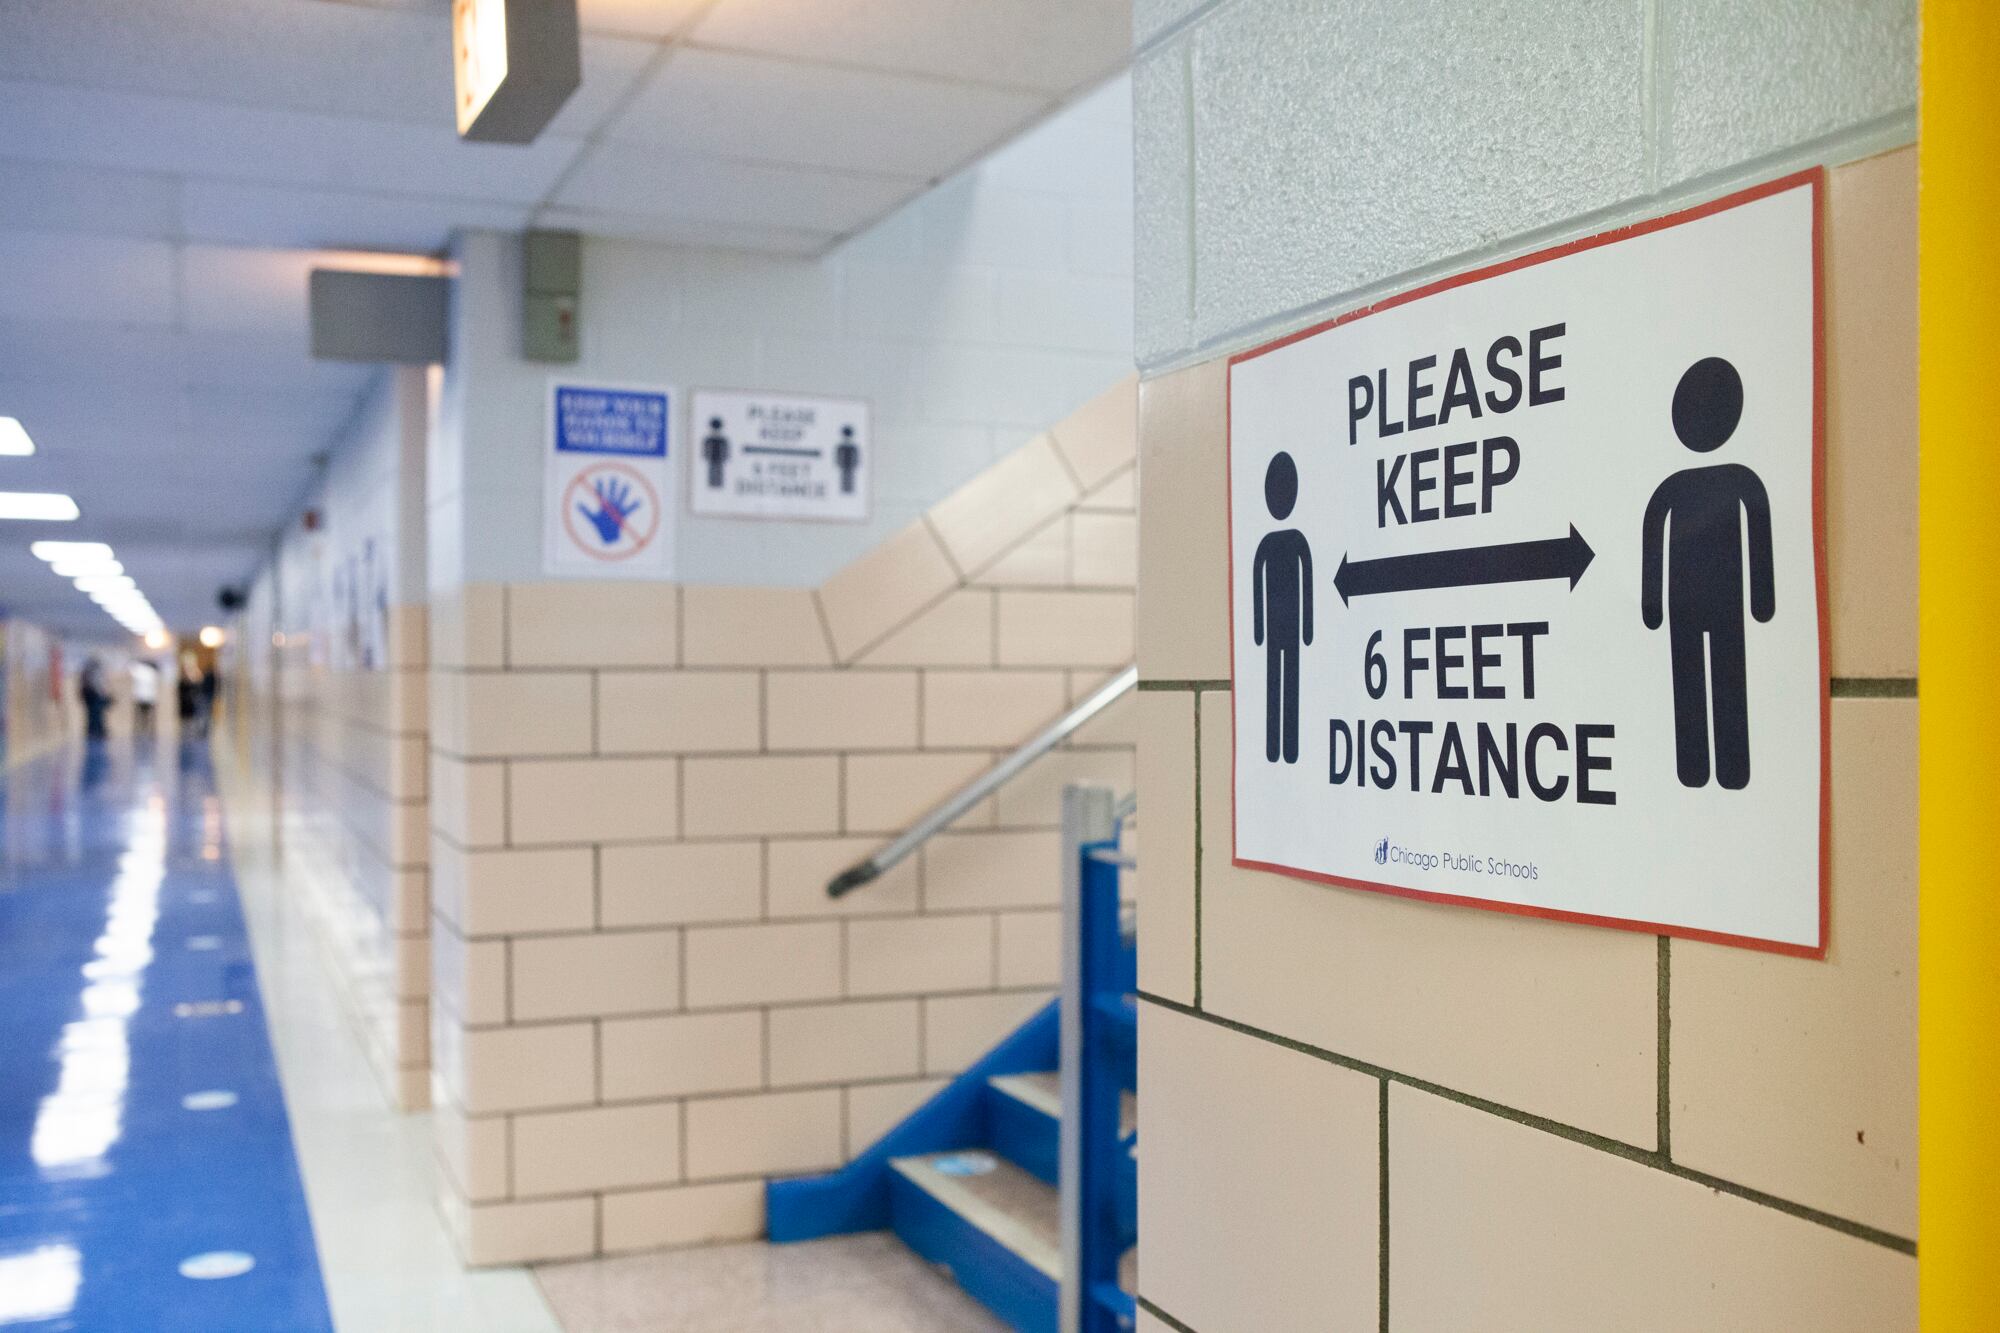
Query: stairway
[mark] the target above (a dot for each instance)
(990, 1214)
(969, 1180)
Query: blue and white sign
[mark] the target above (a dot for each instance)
(608, 499)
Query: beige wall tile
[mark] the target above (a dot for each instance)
(960, 1029)
(538, 713)
(919, 955)
(1871, 414)
(519, 1233)
(1183, 612)
(886, 587)
(1474, 1008)
(762, 795)
(1118, 724)
(769, 964)
(1030, 948)
(842, 1043)
(600, 1147)
(965, 871)
(873, 1109)
(1166, 805)
(574, 976)
(999, 709)
(467, 626)
(518, 1069)
(1065, 628)
(1494, 1225)
(473, 1153)
(1104, 550)
(752, 627)
(956, 631)
(526, 891)
(667, 884)
(608, 623)
(1039, 560)
(1102, 436)
(469, 978)
(840, 710)
(1800, 1077)
(677, 1055)
(886, 793)
(408, 643)
(778, 1133)
(591, 800)
(1235, 1127)
(801, 867)
(468, 801)
(683, 1215)
(678, 712)
(1034, 799)
(1117, 494)
(1002, 504)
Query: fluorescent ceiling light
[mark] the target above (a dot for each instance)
(37, 506)
(82, 569)
(53, 551)
(104, 583)
(14, 441)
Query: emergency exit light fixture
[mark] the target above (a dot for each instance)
(37, 506)
(516, 62)
(14, 441)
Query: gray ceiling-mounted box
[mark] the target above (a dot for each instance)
(515, 62)
(378, 317)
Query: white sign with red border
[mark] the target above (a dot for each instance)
(608, 495)
(1527, 585)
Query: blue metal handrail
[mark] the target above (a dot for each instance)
(1099, 1174)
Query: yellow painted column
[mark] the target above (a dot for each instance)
(1959, 820)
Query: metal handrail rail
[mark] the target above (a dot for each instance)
(863, 872)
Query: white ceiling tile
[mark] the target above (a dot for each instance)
(41, 196)
(770, 110)
(685, 231)
(330, 219)
(611, 65)
(99, 279)
(226, 142)
(642, 18)
(622, 178)
(241, 288)
(334, 58)
(1051, 46)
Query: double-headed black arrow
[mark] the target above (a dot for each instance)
(1512, 562)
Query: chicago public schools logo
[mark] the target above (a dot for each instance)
(1382, 852)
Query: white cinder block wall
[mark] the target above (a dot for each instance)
(1366, 1113)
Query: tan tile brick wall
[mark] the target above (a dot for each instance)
(638, 792)
(1579, 1129)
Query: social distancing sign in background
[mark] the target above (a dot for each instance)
(1526, 587)
(608, 491)
(768, 455)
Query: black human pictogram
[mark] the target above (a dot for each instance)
(847, 457)
(1696, 519)
(1281, 593)
(715, 452)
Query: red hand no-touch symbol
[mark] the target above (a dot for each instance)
(640, 524)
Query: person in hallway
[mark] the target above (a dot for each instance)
(96, 700)
(1281, 598)
(145, 695)
(187, 695)
(1696, 520)
(209, 681)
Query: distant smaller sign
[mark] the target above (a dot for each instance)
(608, 497)
(766, 455)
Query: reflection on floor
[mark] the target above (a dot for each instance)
(852, 1284)
(146, 1171)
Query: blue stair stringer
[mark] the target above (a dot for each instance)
(856, 1197)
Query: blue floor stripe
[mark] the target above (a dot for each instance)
(110, 863)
